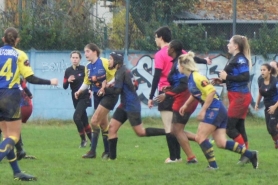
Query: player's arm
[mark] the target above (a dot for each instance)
(200, 60)
(243, 75)
(85, 85)
(26, 71)
(178, 89)
(117, 88)
(157, 74)
(65, 81)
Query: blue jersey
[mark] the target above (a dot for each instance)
(129, 98)
(175, 76)
(96, 74)
(13, 63)
(200, 87)
(236, 67)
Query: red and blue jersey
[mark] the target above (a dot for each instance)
(130, 101)
(237, 70)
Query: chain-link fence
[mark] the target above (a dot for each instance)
(201, 25)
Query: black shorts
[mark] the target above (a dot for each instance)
(109, 101)
(121, 115)
(177, 118)
(167, 104)
(10, 104)
(97, 100)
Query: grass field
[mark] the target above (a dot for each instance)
(140, 160)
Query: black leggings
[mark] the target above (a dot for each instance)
(271, 122)
(80, 115)
(236, 127)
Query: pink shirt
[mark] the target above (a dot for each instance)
(163, 61)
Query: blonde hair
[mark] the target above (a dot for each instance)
(187, 61)
(243, 47)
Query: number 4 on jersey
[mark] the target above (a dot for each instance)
(6, 70)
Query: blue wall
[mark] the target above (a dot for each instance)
(55, 102)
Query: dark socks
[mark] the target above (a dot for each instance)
(5, 147)
(207, 149)
(13, 162)
(236, 147)
(172, 146)
(82, 136)
(105, 140)
(113, 148)
(19, 145)
(94, 140)
(155, 132)
(88, 131)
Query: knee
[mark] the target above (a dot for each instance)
(94, 121)
(112, 129)
(199, 139)
(220, 144)
(76, 117)
(232, 133)
(174, 130)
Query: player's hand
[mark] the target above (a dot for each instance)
(76, 94)
(201, 115)
(54, 81)
(150, 104)
(71, 78)
(223, 75)
(101, 92)
(256, 107)
(271, 109)
(160, 98)
(182, 109)
(214, 81)
(209, 62)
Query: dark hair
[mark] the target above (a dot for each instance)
(10, 36)
(77, 52)
(177, 46)
(93, 47)
(165, 33)
(118, 59)
(269, 68)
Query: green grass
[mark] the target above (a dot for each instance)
(140, 160)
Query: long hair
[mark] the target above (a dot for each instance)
(93, 47)
(187, 61)
(270, 68)
(10, 36)
(244, 47)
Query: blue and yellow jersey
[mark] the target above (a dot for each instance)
(13, 63)
(96, 73)
(199, 86)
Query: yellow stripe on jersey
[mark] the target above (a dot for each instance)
(86, 78)
(110, 74)
(22, 68)
(203, 84)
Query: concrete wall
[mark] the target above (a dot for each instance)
(55, 102)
